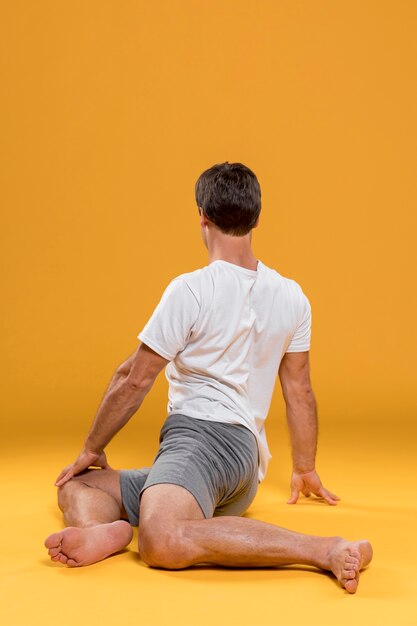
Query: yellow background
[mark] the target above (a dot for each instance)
(109, 113)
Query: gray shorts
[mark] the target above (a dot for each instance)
(215, 461)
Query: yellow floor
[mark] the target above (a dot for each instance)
(372, 469)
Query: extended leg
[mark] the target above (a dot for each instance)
(173, 534)
(92, 506)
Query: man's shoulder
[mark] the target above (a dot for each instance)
(290, 288)
(193, 274)
(191, 280)
(276, 277)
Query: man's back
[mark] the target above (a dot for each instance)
(225, 329)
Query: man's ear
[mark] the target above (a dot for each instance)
(202, 214)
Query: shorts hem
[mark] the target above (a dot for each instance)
(125, 483)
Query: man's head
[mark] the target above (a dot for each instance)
(230, 196)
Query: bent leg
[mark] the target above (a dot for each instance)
(92, 497)
(93, 511)
(173, 534)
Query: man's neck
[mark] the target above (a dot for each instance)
(243, 258)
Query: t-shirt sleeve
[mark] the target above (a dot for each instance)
(301, 339)
(168, 330)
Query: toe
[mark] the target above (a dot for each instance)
(54, 540)
(351, 567)
(352, 559)
(355, 554)
(54, 551)
(351, 586)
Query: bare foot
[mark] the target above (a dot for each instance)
(347, 559)
(83, 546)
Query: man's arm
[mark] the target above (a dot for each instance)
(294, 375)
(131, 382)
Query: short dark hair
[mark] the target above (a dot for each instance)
(230, 196)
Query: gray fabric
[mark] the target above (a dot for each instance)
(215, 461)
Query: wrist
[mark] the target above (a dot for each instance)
(303, 468)
(91, 449)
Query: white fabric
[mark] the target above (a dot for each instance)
(225, 329)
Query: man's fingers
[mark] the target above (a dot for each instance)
(330, 497)
(333, 495)
(294, 497)
(61, 476)
(327, 496)
(64, 479)
(307, 484)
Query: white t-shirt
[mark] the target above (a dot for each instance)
(225, 329)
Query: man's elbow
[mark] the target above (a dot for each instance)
(298, 392)
(139, 385)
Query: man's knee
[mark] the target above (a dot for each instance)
(67, 491)
(72, 487)
(107, 480)
(164, 545)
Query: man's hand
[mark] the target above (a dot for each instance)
(84, 460)
(308, 483)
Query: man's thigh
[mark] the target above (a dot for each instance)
(165, 503)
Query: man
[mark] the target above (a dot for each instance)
(224, 332)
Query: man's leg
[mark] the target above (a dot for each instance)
(91, 498)
(93, 510)
(174, 534)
